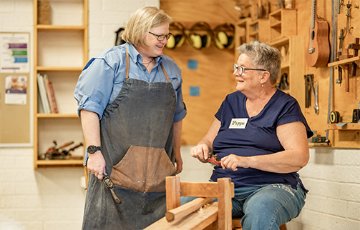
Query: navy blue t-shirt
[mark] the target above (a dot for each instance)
(257, 137)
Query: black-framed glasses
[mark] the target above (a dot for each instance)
(241, 69)
(161, 37)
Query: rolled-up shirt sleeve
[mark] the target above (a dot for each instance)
(94, 87)
(180, 111)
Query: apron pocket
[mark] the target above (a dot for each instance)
(143, 169)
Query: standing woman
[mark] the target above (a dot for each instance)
(131, 108)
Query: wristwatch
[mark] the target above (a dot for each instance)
(91, 149)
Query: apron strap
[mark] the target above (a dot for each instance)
(165, 73)
(127, 64)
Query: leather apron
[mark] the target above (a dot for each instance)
(136, 140)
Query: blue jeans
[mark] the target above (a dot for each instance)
(267, 207)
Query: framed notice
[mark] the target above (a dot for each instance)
(15, 108)
(14, 53)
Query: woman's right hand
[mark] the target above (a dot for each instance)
(201, 152)
(96, 165)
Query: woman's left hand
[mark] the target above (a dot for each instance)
(179, 164)
(233, 161)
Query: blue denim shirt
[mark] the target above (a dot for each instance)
(102, 78)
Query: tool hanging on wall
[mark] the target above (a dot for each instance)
(334, 117)
(200, 35)
(354, 46)
(311, 88)
(177, 38)
(316, 97)
(224, 36)
(308, 88)
(345, 36)
(283, 83)
(335, 10)
(356, 115)
(317, 54)
(346, 69)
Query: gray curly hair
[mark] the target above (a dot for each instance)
(263, 56)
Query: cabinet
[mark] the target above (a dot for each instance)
(240, 35)
(293, 65)
(60, 52)
(258, 30)
(282, 23)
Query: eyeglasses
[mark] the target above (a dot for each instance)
(241, 69)
(161, 37)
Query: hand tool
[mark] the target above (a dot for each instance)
(214, 160)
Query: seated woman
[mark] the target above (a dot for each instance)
(259, 135)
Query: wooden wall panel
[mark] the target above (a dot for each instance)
(343, 102)
(214, 63)
(213, 74)
(211, 11)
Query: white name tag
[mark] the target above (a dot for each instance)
(238, 123)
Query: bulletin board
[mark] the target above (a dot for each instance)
(15, 125)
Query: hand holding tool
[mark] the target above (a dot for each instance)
(214, 160)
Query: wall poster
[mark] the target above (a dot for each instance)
(14, 52)
(15, 106)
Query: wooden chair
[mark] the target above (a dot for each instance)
(202, 212)
(216, 215)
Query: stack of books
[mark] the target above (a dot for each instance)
(47, 94)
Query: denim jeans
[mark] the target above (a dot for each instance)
(267, 207)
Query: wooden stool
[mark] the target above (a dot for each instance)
(202, 212)
(216, 215)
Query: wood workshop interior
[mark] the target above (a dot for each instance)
(45, 44)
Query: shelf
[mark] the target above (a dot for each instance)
(280, 41)
(285, 66)
(59, 27)
(59, 68)
(56, 115)
(282, 23)
(276, 25)
(314, 145)
(258, 30)
(60, 52)
(345, 127)
(59, 162)
(344, 61)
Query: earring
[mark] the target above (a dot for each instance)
(262, 85)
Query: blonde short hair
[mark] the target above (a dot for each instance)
(141, 22)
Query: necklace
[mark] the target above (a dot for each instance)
(146, 64)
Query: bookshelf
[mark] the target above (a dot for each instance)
(60, 52)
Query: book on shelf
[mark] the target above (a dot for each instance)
(44, 100)
(50, 95)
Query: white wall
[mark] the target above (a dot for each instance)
(51, 198)
(106, 16)
(333, 202)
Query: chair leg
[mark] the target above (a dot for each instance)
(236, 224)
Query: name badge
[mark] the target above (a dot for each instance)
(238, 123)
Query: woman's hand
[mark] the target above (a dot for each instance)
(233, 161)
(179, 164)
(96, 165)
(201, 152)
